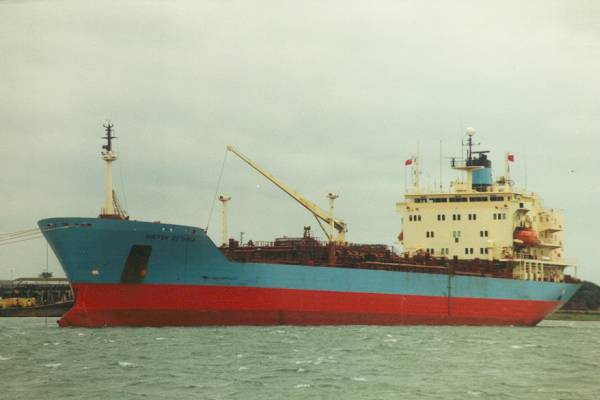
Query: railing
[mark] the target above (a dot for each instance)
(550, 225)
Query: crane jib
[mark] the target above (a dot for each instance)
(319, 213)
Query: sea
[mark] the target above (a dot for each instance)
(555, 360)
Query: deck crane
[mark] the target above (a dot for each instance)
(319, 214)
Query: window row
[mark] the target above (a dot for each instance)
(482, 250)
(456, 234)
(468, 250)
(457, 217)
(443, 251)
(459, 199)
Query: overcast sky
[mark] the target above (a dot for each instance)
(327, 95)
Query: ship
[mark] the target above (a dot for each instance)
(483, 252)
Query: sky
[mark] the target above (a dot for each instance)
(327, 95)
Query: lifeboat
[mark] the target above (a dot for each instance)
(526, 237)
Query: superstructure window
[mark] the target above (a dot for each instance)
(455, 217)
(421, 200)
(478, 198)
(483, 250)
(429, 234)
(472, 217)
(439, 200)
(458, 199)
(441, 217)
(483, 233)
(496, 198)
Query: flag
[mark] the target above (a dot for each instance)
(408, 162)
(511, 157)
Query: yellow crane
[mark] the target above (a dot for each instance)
(319, 213)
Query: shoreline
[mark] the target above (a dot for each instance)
(574, 315)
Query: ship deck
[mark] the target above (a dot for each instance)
(312, 252)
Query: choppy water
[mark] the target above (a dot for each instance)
(558, 360)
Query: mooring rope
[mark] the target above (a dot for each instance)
(28, 234)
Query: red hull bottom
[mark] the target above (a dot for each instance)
(99, 305)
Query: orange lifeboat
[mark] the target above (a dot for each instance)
(527, 237)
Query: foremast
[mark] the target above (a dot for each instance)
(112, 208)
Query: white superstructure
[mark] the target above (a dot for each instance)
(486, 219)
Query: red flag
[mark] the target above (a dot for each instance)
(408, 162)
(511, 157)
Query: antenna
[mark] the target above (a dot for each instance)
(441, 173)
(470, 132)
(108, 127)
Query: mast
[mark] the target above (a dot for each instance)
(416, 176)
(224, 198)
(109, 156)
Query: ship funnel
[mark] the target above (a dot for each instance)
(479, 164)
(482, 178)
